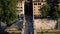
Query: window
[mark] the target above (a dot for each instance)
(39, 3)
(19, 11)
(35, 3)
(34, 15)
(20, 7)
(19, 4)
(18, 16)
(39, 9)
(39, 6)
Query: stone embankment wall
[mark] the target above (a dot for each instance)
(40, 24)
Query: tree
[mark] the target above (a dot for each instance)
(56, 14)
(1, 12)
(45, 10)
(9, 13)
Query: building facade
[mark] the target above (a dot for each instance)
(20, 7)
(36, 8)
(37, 5)
(41, 24)
(44, 24)
(20, 10)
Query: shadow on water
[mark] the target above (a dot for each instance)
(3, 32)
(29, 17)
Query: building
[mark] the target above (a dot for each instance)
(21, 11)
(37, 5)
(44, 24)
(41, 24)
(59, 3)
(20, 7)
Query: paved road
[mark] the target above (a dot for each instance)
(29, 26)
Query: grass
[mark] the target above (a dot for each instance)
(48, 32)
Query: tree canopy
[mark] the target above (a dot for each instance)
(8, 12)
(56, 13)
(45, 10)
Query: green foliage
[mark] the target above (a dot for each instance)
(8, 13)
(42, 32)
(56, 13)
(45, 10)
(1, 12)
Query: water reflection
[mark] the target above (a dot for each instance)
(14, 33)
(8, 33)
